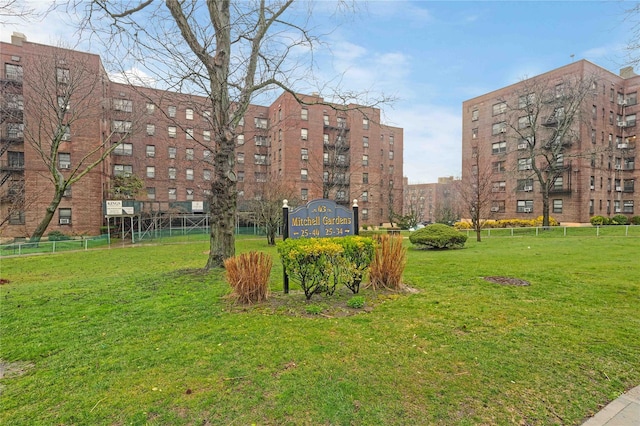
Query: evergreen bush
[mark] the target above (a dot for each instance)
(437, 236)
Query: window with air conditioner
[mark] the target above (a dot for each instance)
(64, 160)
(64, 216)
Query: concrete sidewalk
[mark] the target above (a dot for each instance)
(624, 411)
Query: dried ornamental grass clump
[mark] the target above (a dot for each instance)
(388, 263)
(248, 275)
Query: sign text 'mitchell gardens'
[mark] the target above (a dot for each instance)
(320, 218)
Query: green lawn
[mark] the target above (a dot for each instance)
(138, 336)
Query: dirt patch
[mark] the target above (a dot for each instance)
(321, 306)
(12, 369)
(3, 281)
(507, 281)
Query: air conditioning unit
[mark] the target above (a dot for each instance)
(65, 166)
(623, 102)
(623, 145)
(503, 130)
(527, 210)
(618, 167)
(65, 221)
(528, 188)
(592, 187)
(618, 210)
(522, 146)
(619, 188)
(527, 167)
(495, 209)
(622, 124)
(305, 157)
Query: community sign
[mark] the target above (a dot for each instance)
(320, 218)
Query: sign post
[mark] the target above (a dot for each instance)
(285, 235)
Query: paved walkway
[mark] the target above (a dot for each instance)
(624, 411)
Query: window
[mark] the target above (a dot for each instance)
(122, 170)
(64, 160)
(304, 153)
(16, 131)
(122, 105)
(390, 155)
(365, 160)
(206, 115)
(189, 174)
(151, 108)
(13, 72)
(525, 185)
(474, 133)
(627, 206)
(524, 122)
(325, 120)
(189, 134)
(151, 171)
(206, 135)
(631, 120)
(172, 152)
(365, 178)
(365, 141)
(524, 206)
(151, 129)
(499, 148)
(364, 196)
(240, 139)
(342, 123)
(559, 90)
(304, 194)
(365, 124)
(499, 186)
(304, 114)
(62, 75)
(558, 184)
(151, 151)
(171, 111)
(632, 98)
(189, 194)
(16, 217)
(172, 193)
(499, 108)
(341, 195)
(173, 131)
(260, 177)
(64, 216)
(260, 159)
(526, 100)
(206, 174)
(206, 154)
(474, 115)
(304, 174)
(120, 126)
(304, 134)
(365, 214)
(124, 149)
(240, 157)
(524, 164)
(325, 139)
(498, 166)
(260, 140)
(325, 177)
(172, 172)
(188, 113)
(498, 128)
(391, 139)
(240, 176)
(189, 154)
(18, 103)
(497, 206)
(260, 123)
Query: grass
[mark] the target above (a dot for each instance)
(140, 336)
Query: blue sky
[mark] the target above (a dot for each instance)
(434, 55)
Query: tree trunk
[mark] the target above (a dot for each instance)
(545, 208)
(46, 220)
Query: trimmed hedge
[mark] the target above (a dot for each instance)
(437, 236)
(508, 223)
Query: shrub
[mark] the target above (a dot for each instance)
(356, 302)
(462, 225)
(388, 263)
(248, 276)
(358, 254)
(619, 219)
(599, 220)
(57, 236)
(437, 236)
(311, 262)
(635, 220)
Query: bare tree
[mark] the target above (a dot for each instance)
(15, 10)
(545, 118)
(475, 194)
(62, 92)
(267, 205)
(230, 52)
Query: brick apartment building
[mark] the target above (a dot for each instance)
(596, 171)
(332, 151)
(431, 202)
